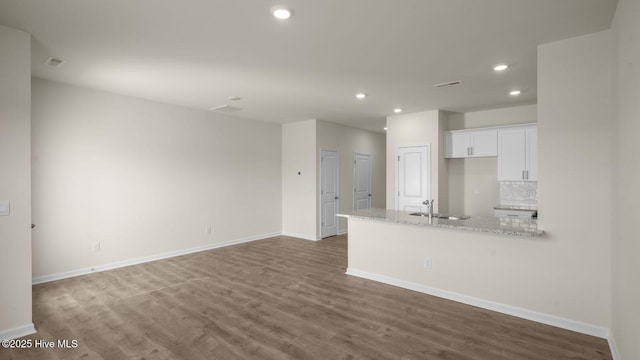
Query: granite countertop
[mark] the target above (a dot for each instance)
(501, 226)
(516, 207)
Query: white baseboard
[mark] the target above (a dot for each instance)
(119, 264)
(18, 332)
(300, 236)
(612, 346)
(308, 237)
(552, 320)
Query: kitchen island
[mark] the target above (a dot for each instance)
(493, 263)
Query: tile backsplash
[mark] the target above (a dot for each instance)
(519, 193)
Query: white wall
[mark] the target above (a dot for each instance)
(144, 178)
(299, 202)
(417, 128)
(442, 166)
(347, 141)
(473, 183)
(301, 145)
(15, 182)
(495, 117)
(626, 244)
(515, 275)
(575, 180)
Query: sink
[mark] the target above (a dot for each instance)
(445, 217)
(448, 217)
(423, 214)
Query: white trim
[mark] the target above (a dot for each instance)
(119, 264)
(20, 331)
(300, 236)
(612, 347)
(342, 232)
(548, 319)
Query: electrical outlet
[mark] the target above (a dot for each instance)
(207, 231)
(428, 264)
(96, 247)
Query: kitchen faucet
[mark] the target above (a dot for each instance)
(429, 205)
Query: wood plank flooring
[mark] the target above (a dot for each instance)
(279, 298)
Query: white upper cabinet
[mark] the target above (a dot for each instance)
(457, 144)
(518, 153)
(484, 143)
(531, 140)
(471, 143)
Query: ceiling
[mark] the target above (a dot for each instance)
(198, 53)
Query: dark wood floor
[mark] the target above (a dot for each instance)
(280, 298)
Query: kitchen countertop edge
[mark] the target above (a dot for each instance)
(475, 224)
(514, 208)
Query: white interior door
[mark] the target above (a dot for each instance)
(361, 181)
(328, 193)
(413, 178)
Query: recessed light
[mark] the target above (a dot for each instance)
(281, 12)
(515, 92)
(234, 98)
(501, 67)
(361, 95)
(397, 110)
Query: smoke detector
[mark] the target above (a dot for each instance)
(54, 62)
(225, 108)
(450, 83)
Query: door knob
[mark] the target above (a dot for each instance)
(337, 197)
(369, 194)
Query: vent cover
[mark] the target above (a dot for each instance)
(54, 62)
(450, 83)
(225, 108)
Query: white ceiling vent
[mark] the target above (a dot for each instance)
(225, 108)
(54, 62)
(450, 83)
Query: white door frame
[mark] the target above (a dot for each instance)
(397, 194)
(319, 220)
(370, 178)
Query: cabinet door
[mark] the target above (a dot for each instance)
(511, 154)
(531, 135)
(457, 144)
(483, 143)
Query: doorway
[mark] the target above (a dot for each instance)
(362, 195)
(413, 178)
(329, 195)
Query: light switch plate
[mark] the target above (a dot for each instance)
(5, 206)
